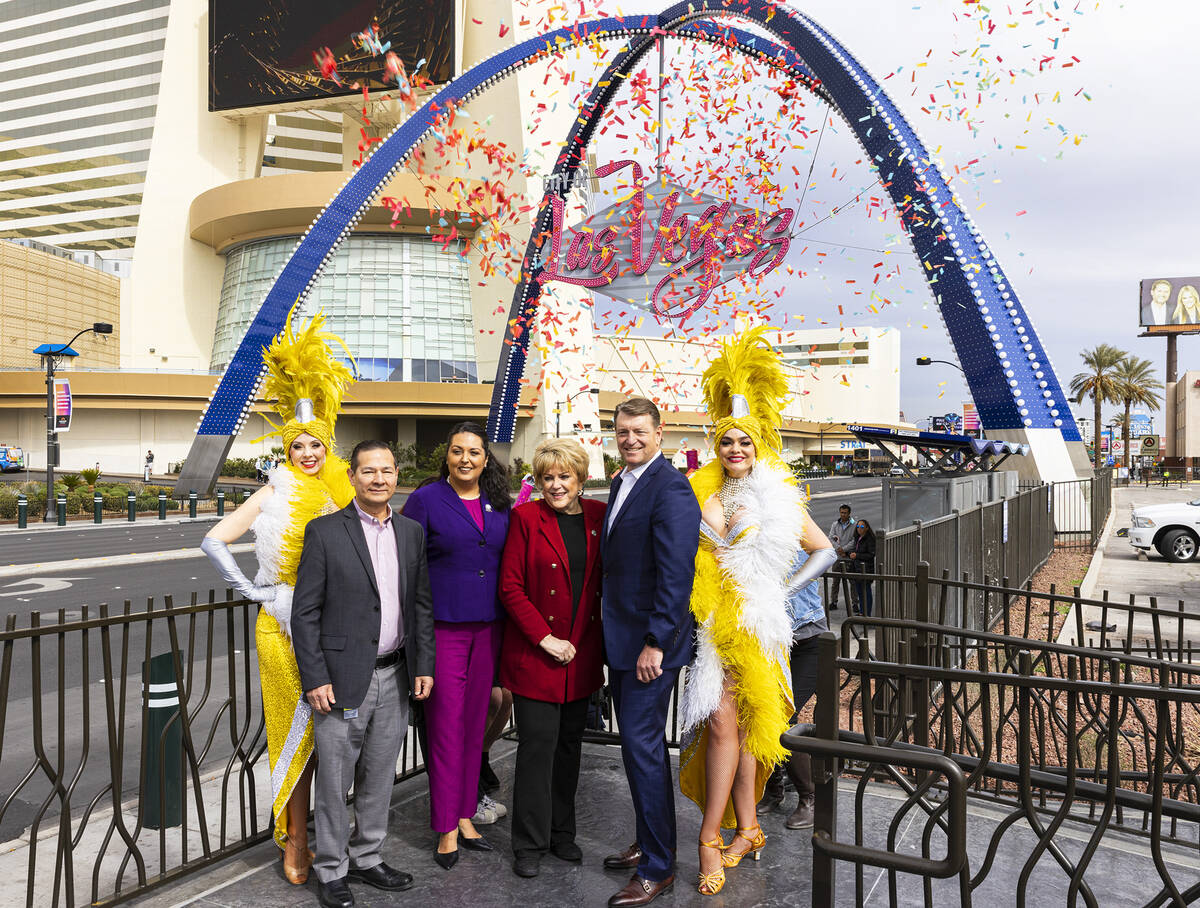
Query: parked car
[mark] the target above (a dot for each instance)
(896, 470)
(1172, 529)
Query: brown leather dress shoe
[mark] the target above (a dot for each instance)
(624, 860)
(640, 892)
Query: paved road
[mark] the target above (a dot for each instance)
(61, 583)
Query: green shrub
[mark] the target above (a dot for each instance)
(8, 505)
(90, 475)
(612, 464)
(71, 480)
(240, 467)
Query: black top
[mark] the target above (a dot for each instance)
(574, 535)
(864, 546)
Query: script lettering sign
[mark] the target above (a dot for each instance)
(695, 243)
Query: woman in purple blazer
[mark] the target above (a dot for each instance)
(465, 516)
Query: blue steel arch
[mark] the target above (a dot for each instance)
(1007, 370)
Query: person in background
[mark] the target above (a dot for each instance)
(148, 466)
(500, 709)
(862, 562)
(680, 460)
(552, 658)
(841, 537)
(465, 517)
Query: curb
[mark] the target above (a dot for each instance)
(1090, 579)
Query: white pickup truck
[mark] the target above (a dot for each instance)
(1172, 529)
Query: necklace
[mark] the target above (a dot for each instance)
(728, 493)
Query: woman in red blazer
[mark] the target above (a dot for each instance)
(552, 656)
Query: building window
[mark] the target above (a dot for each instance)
(401, 304)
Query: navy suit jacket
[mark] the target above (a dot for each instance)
(649, 556)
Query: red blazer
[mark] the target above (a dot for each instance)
(535, 589)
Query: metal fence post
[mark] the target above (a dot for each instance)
(162, 505)
(61, 501)
(22, 511)
(131, 502)
(920, 653)
(220, 502)
(97, 508)
(162, 770)
(825, 772)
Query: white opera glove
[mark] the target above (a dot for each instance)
(817, 564)
(218, 553)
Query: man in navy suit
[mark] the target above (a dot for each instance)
(652, 530)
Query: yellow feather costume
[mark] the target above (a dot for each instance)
(308, 385)
(739, 597)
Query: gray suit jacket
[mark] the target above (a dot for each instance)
(335, 611)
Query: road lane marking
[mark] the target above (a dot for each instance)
(80, 564)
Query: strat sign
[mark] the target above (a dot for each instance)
(695, 244)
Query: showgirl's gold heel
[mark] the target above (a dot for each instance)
(296, 870)
(757, 841)
(712, 883)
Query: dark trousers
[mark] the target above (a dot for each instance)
(551, 738)
(803, 663)
(642, 718)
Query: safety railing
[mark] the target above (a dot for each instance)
(132, 748)
(1050, 736)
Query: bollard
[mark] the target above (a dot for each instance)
(61, 500)
(162, 768)
(132, 501)
(220, 502)
(162, 505)
(22, 511)
(192, 496)
(97, 507)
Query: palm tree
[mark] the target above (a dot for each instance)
(1137, 385)
(1100, 383)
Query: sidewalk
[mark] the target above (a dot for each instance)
(1121, 868)
(1119, 573)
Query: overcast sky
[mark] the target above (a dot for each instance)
(1075, 225)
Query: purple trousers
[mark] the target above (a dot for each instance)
(456, 717)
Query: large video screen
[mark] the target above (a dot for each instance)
(261, 51)
(1171, 304)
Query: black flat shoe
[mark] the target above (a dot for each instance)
(447, 860)
(479, 843)
(334, 894)
(381, 876)
(487, 778)
(567, 851)
(526, 865)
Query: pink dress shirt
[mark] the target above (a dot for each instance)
(385, 559)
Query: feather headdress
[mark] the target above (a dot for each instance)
(746, 388)
(305, 381)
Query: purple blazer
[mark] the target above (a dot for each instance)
(464, 563)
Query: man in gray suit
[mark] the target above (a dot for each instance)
(362, 628)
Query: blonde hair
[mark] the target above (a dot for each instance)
(560, 452)
(1181, 312)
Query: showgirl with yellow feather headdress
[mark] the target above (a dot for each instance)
(307, 385)
(753, 529)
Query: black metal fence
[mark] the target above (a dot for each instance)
(1080, 508)
(132, 747)
(1102, 738)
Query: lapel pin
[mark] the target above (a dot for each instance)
(487, 507)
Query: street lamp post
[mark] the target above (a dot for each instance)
(558, 409)
(52, 353)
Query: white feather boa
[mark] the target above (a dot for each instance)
(269, 526)
(758, 564)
